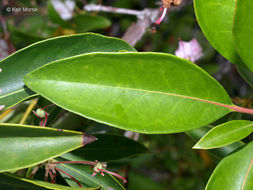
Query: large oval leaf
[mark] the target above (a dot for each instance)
(17, 65)
(235, 172)
(225, 134)
(108, 148)
(215, 18)
(143, 92)
(22, 146)
(243, 28)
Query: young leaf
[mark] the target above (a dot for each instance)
(197, 134)
(225, 134)
(23, 146)
(142, 92)
(242, 30)
(12, 182)
(220, 36)
(83, 174)
(107, 148)
(234, 172)
(17, 65)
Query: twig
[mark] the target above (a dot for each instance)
(93, 7)
(135, 32)
(69, 176)
(28, 111)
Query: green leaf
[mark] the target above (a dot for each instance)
(225, 134)
(218, 31)
(197, 134)
(246, 74)
(137, 181)
(83, 174)
(107, 148)
(142, 92)
(234, 172)
(23, 146)
(242, 30)
(87, 22)
(10, 181)
(17, 65)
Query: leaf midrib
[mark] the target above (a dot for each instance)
(221, 136)
(247, 174)
(148, 91)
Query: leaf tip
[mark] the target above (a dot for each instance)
(87, 139)
(196, 146)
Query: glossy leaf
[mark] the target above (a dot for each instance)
(11, 182)
(234, 172)
(218, 31)
(17, 65)
(23, 146)
(107, 148)
(142, 92)
(197, 134)
(225, 134)
(83, 174)
(242, 30)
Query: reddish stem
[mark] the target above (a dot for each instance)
(46, 175)
(45, 121)
(47, 106)
(241, 109)
(116, 175)
(234, 107)
(54, 172)
(75, 162)
(160, 19)
(34, 171)
(51, 175)
(69, 176)
(36, 114)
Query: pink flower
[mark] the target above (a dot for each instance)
(191, 50)
(2, 107)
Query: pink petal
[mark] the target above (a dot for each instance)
(2, 107)
(191, 51)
